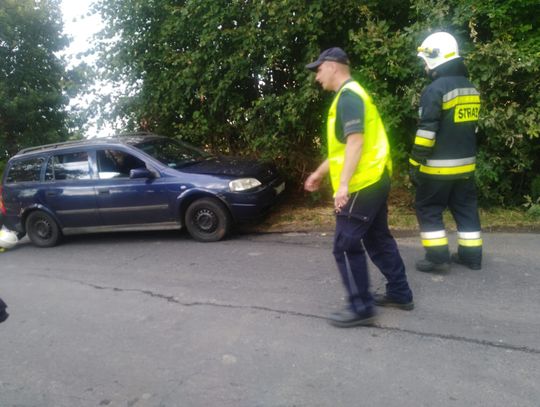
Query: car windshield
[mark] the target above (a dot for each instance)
(172, 153)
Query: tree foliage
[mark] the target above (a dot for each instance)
(33, 79)
(230, 74)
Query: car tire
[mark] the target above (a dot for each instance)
(42, 229)
(207, 220)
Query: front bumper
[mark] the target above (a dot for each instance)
(251, 205)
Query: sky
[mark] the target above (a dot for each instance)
(80, 27)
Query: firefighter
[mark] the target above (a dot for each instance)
(443, 157)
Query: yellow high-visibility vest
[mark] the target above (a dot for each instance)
(375, 151)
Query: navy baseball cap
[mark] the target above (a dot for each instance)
(331, 54)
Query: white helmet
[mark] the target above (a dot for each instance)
(8, 239)
(437, 49)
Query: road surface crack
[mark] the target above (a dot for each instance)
(456, 338)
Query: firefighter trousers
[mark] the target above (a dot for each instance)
(433, 196)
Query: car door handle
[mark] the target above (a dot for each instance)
(104, 191)
(51, 193)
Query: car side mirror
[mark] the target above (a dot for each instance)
(141, 173)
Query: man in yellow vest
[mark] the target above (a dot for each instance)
(359, 165)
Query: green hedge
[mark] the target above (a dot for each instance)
(230, 75)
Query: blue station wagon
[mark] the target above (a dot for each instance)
(132, 182)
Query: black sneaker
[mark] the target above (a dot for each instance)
(347, 318)
(427, 266)
(455, 258)
(382, 300)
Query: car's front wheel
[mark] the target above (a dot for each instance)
(42, 229)
(207, 220)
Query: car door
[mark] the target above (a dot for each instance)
(129, 201)
(68, 189)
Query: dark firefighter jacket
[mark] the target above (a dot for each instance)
(445, 142)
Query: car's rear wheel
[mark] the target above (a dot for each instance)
(207, 220)
(42, 229)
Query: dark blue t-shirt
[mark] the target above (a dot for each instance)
(349, 115)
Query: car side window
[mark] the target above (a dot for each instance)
(28, 170)
(116, 164)
(71, 166)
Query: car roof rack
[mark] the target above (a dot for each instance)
(52, 146)
(115, 138)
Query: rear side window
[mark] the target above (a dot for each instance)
(72, 166)
(25, 171)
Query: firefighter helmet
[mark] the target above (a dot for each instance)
(438, 49)
(8, 239)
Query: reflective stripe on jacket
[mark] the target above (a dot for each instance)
(375, 150)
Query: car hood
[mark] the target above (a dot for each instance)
(234, 167)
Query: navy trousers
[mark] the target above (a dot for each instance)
(362, 226)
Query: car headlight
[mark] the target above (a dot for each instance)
(243, 184)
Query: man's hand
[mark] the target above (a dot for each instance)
(341, 198)
(313, 182)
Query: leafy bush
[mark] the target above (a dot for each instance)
(230, 75)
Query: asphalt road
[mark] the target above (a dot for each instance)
(160, 320)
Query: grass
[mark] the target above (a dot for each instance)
(299, 214)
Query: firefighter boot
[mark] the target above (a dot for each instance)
(456, 258)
